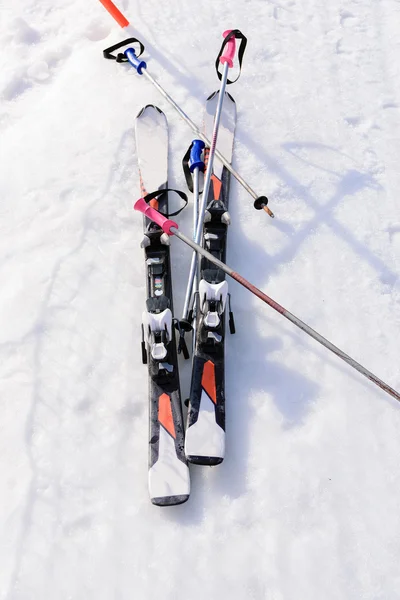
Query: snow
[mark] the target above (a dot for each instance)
(305, 505)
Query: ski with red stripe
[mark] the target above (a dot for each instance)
(169, 481)
(205, 433)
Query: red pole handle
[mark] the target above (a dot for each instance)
(229, 50)
(153, 214)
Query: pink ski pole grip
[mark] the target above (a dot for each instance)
(153, 214)
(229, 50)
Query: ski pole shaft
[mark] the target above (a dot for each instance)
(213, 147)
(195, 212)
(115, 13)
(206, 190)
(171, 228)
(196, 165)
(188, 294)
(193, 291)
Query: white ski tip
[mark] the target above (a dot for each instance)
(169, 480)
(151, 141)
(205, 439)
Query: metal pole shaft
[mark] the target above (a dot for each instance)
(189, 290)
(288, 315)
(195, 213)
(207, 183)
(193, 291)
(201, 135)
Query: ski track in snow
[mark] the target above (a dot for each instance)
(305, 504)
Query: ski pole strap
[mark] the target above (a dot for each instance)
(120, 57)
(192, 160)
(158, 193)
(227, 52)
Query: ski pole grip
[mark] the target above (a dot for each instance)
(136, 63)
(153, 214)
(229, 50)
(195, 161)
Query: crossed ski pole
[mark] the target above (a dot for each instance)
(171, 228)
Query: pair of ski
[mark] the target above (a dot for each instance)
(169, 452)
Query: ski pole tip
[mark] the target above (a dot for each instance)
(261, 203)
(269, 212)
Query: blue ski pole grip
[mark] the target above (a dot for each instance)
(136, 63)
(195, 161)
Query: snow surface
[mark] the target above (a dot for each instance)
(306, 504)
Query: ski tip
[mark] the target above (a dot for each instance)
(142, 110)
(207, 461)
(170, 500)
(211, 96)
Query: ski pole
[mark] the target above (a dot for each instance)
(171, 228)
(115, 13)
(196, 165)
(227, 60)
(192, 165)
(131, 56)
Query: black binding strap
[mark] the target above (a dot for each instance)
(107, 53)
(159, 193)
(237, 34)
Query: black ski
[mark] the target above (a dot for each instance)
(205, 434)
(169, 481)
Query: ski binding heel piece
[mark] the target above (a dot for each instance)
(159, 332)
(213, 300)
